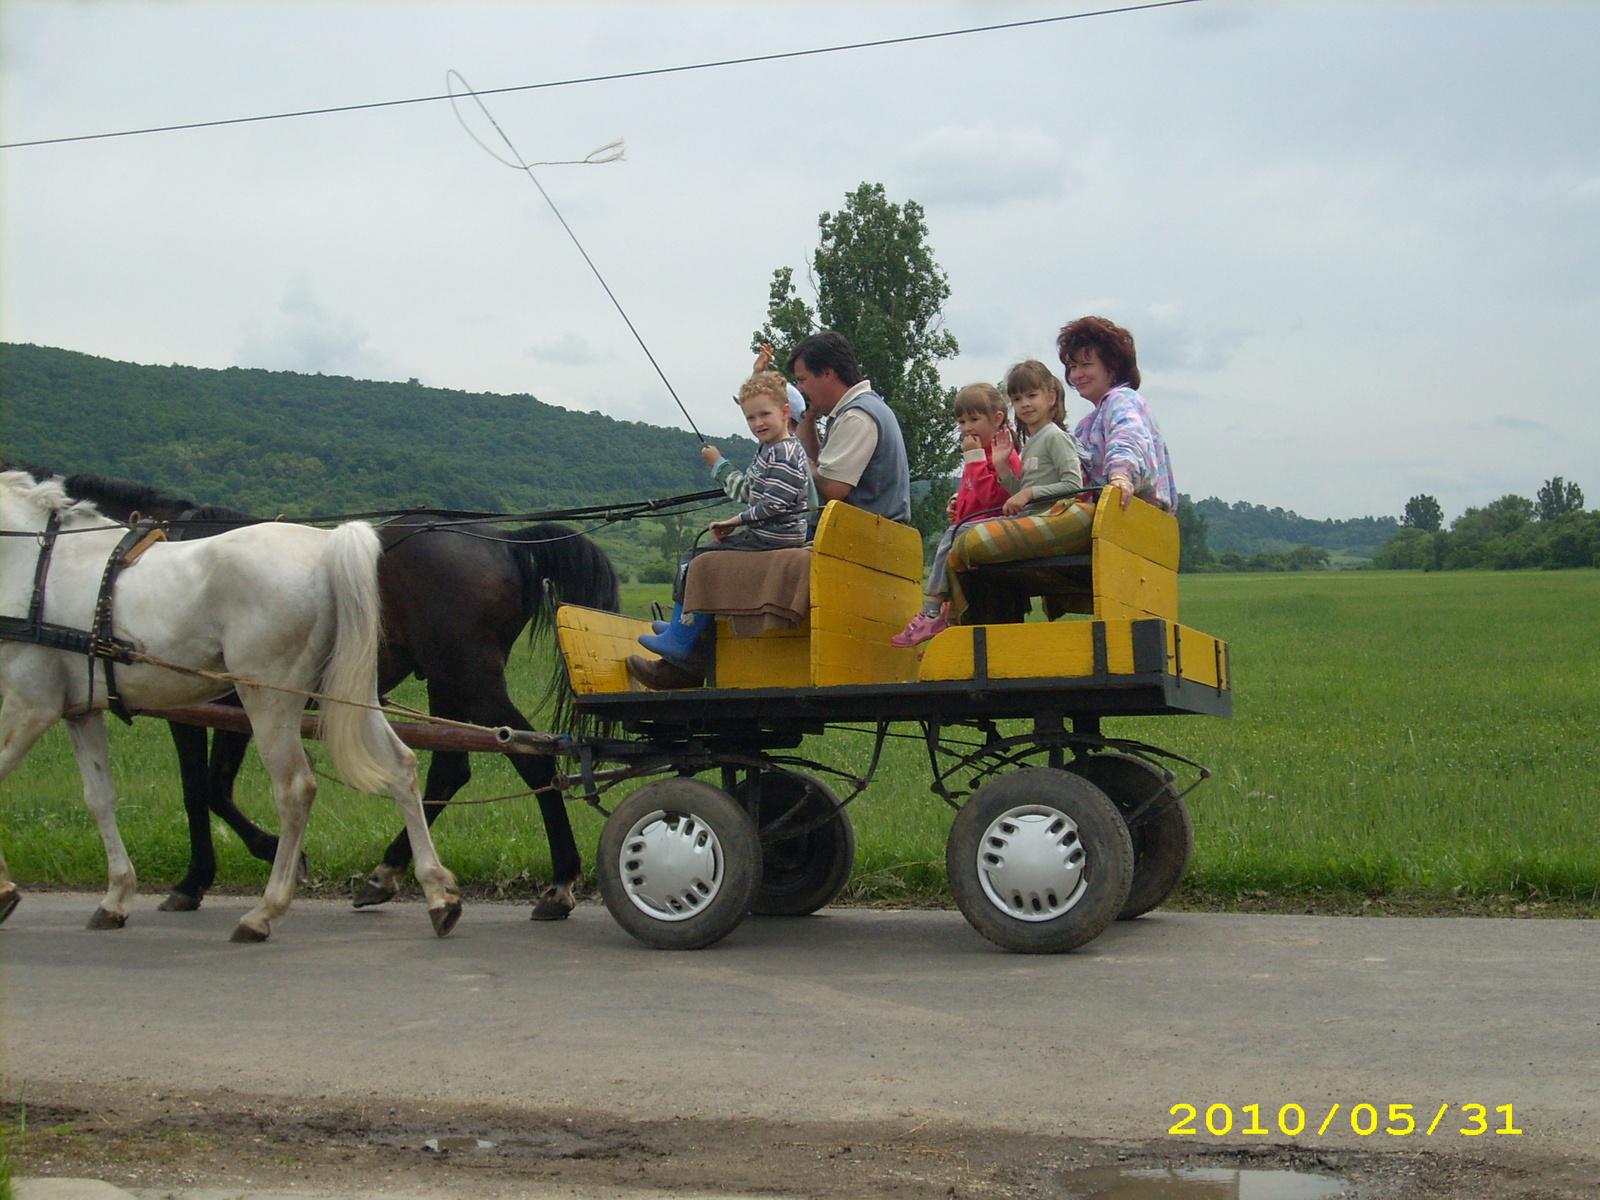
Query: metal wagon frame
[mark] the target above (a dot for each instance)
(1059, 830)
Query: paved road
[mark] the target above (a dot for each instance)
(850, 1013)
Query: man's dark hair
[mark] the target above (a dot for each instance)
(828, 351)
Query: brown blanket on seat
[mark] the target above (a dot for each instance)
(757, 590)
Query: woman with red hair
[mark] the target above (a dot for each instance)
(1118, 446)
(1119, 442)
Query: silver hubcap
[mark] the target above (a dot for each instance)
(671, 864)
(1031, 863)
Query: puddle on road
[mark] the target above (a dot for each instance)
(498, 1143)
(1199, 1183)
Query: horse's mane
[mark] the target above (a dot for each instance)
(123, 493)
(46, 494)
(579, 572)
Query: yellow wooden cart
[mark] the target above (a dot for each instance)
(1060, 831)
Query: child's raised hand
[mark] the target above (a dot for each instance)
(1000, 448)
(763, 359)
(709, 455)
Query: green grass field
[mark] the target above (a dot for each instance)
(1395, 734)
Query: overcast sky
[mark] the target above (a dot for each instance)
(1358, 244)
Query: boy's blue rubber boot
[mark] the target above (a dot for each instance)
(680, 644)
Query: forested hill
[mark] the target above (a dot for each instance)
(1253, 528)
(280, 442)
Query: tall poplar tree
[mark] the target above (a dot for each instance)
(878, 284)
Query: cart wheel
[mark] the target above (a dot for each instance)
(1161, 845)
(679, 864)
(1039, 861)
(801, 874)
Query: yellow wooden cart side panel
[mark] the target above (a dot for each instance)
(1126, 584)
(1037, 650)
(838, 658)
(948, 655)
(1197, 657)
(781, 658)
(596, 646)
(857, 536)
(855, 610)
(1141, 528)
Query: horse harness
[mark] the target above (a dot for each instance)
(100, 643)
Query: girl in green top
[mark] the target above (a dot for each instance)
(1050, 468)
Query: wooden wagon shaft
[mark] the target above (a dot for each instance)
(418, 735)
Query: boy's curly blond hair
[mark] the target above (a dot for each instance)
(765, 383)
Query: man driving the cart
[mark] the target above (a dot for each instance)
(862, 461)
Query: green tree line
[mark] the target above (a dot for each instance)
(1551, 532)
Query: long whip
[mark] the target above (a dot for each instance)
(605, 154)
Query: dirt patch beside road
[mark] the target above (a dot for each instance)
(222, 1139)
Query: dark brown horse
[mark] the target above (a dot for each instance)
(455, 600)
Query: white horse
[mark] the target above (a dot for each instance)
(283, 605)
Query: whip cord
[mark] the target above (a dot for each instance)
(521, 164)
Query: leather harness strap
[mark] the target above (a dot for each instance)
(100, 643)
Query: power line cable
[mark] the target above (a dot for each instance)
(641, 74)
(603, 155)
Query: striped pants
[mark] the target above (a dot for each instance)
(1063, 529)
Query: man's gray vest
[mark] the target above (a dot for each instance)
(885, 486)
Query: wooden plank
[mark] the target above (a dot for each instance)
(948, 655)
(781, 658)
(1141, 528)
(837, 658)
(855, 535)
(1125, 584)
(1063, 649)
(596, 646)
(1199, 656)
(850, 587)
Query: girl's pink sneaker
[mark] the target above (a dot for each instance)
(922, 628)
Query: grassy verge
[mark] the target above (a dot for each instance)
(1402, 742)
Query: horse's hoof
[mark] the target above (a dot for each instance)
(106, 920)
(249, 933)
(370, 893)
(550, 905)
(179, 902)
(8, 904)
(444, 917)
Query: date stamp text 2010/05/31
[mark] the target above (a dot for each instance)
(1364, 1120)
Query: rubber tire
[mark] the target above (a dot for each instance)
(741, 871)
(1105, 841)
(801, 875)
(1162, 845)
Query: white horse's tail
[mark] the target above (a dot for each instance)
(351, 561)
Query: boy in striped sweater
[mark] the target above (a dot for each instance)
(775, 520)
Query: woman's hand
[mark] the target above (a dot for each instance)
(1018, 502)
(710, 455)
(1123, 484)
(763, 359)
(721, 529)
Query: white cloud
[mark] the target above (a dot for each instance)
(983, 164)
(304, 336)
(570, 350)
